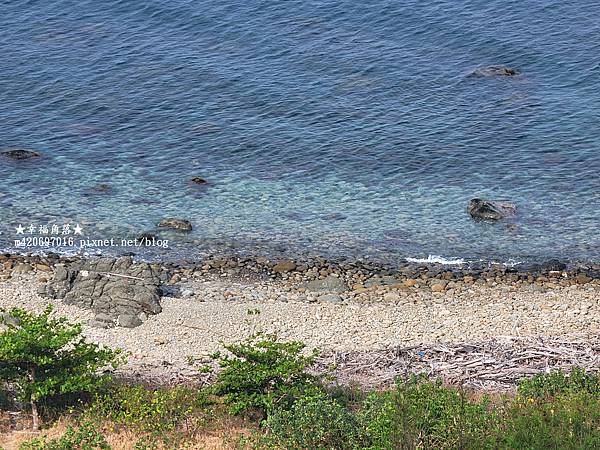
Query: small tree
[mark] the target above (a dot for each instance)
(264, 373)
(44, 356)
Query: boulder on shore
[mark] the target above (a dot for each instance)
(19, 154)
(329, 284)
(490, 209)
(176, 224)
(118, 291)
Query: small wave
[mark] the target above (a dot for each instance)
(510, 263)
(437, 260)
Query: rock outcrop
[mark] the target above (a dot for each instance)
(118, 291)
(490, 209)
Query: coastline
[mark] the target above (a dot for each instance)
(376, 322)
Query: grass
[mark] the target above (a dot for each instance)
(558, 410)
(277, 405)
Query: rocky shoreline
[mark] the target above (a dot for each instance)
(355, 308)
(358, 274)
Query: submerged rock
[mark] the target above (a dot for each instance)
(176, 224)
(198, 180)
(101, 188)
(490, 209)
(147, 237)
(552, 265)
(19, 154)
(495, 71)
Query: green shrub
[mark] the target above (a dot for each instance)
(568, 421)
(143, 409)
(263, 373)
(547, 385)
(378, 417)
(43, 357)
(423, 414)
(85, 437)
(313, 423)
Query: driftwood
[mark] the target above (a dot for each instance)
(494, 365)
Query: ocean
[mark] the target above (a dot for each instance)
(350, 129)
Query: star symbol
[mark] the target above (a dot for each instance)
(20, 229)
(77, 229)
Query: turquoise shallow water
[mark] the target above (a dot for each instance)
(334, 128)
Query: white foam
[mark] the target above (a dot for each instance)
(510, 263)
(438, 260)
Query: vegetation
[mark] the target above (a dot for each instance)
(313, 422)
(83, 437)
(154, 414)
(299, 411)
(263, 373)
(43, 357)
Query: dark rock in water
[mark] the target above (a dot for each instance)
(101, 188)
(553, 265)
(198, 180)
(19, 154)
(176, 224)
(495, 71)
(490, 209)
(118, 290)
(147, 238)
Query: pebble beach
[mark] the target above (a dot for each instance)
(335, 311)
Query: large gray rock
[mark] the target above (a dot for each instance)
(116, 290)
(490, 209)
(329, 284)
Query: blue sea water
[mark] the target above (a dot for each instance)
(339, 128)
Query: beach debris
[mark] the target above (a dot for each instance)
(175, 224)
(493, 365)
(490, 209)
